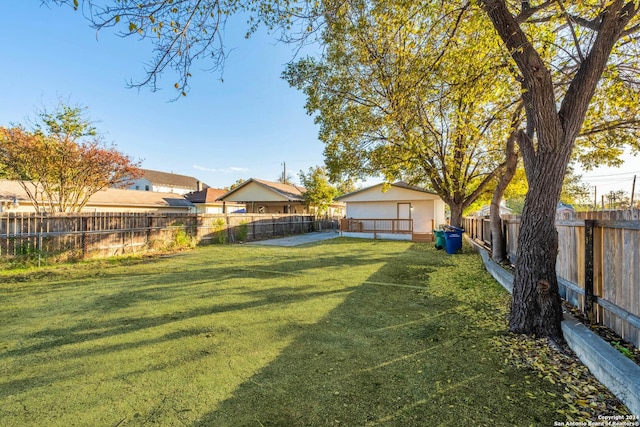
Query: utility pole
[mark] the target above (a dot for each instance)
(613, 199)
(633, 189)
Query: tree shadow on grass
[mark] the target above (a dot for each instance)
(60, 343)
(86, 331)
(120, 317)
(399, 348)
(393, 355)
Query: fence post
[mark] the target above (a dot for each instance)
(84, 237)
(589, 298)
(149, 230)
(39, 248)
(253, 226)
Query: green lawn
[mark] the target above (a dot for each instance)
(343, 332)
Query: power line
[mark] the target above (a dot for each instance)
(611, 174)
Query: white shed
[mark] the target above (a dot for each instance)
(402, 212)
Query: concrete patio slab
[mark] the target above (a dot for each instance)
(298, 239)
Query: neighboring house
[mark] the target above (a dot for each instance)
(261, 196)
(564, 208)
(486, 210)
(206, 201)
(504, 210)
(402, 212)
(165, 182)
(120, 200)
(13, 198)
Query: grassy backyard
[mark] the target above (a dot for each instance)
(343, 332)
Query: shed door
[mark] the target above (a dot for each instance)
(404, 210)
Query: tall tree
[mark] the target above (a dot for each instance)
(236, 184)
(319, 192)
(574, 190)
(387, 105)
(617, 199)
(285, 178)
(556, 110)
(61, 162)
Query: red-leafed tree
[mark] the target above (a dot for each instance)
(62, 161)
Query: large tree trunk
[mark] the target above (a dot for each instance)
(536, 306)
(456, 215)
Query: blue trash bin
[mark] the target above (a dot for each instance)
(453, 239)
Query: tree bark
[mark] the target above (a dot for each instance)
(536, 306)
(456, 215)
(498, 247)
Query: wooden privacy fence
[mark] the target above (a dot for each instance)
(598, 263)
(111, 233)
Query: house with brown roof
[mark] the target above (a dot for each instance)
(260, 196)
(13, 198)
(165, 182)
(206, 201)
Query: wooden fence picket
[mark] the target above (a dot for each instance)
(598, 261)
(99, 234)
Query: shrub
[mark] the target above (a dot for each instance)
(220, 231)
(181, 239)
(242, 231)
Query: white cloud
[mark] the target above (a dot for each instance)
(227, 170)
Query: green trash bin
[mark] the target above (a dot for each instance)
(441, 243)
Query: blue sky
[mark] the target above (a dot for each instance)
(246, 127)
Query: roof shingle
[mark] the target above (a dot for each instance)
(208, 195)
(172, 179)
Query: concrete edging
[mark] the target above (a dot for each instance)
(619, 374)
